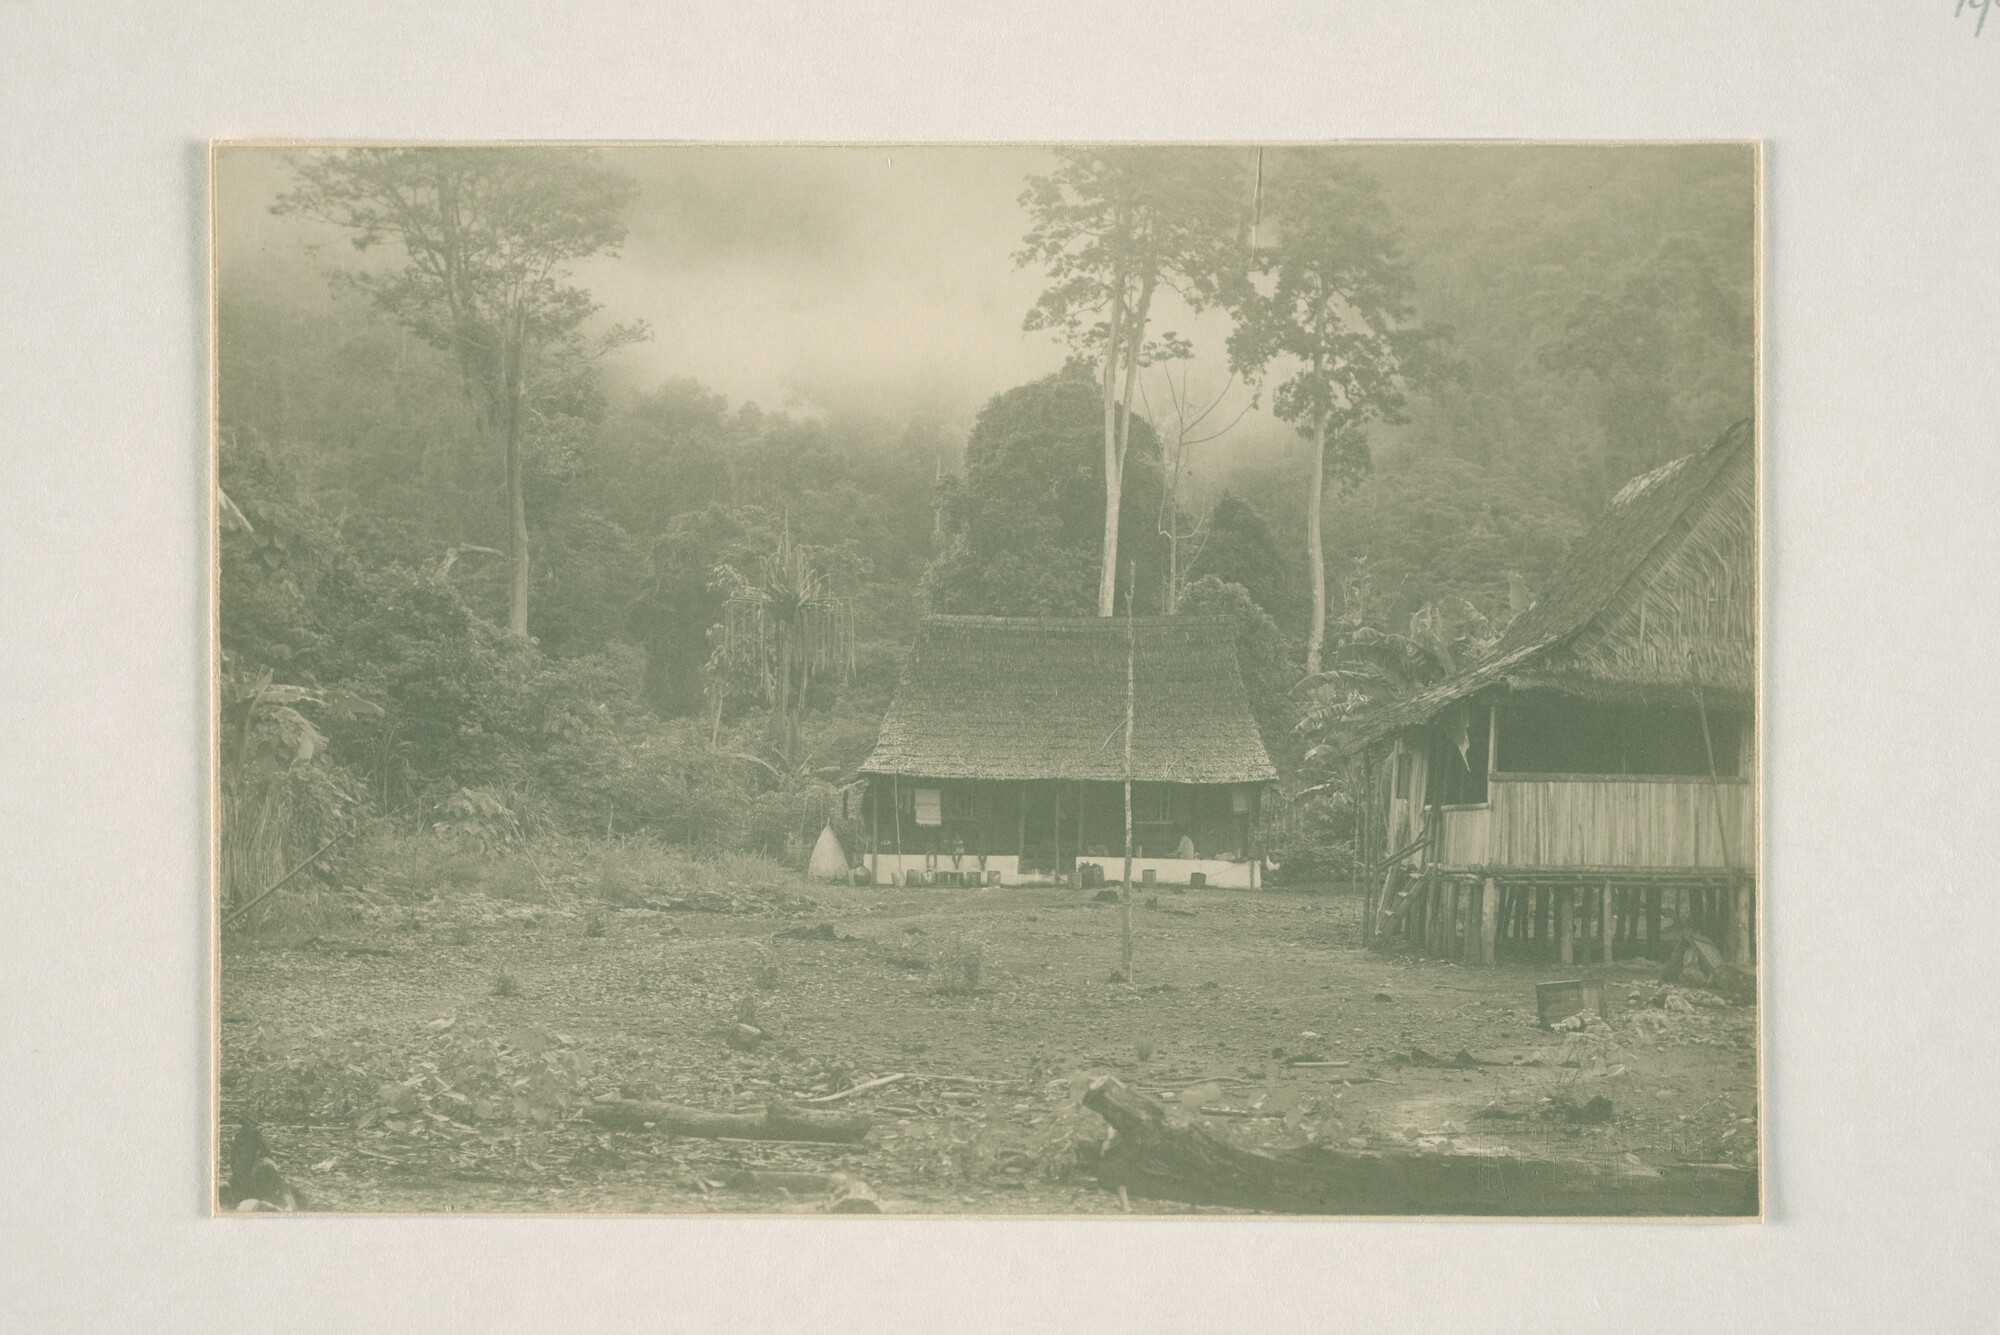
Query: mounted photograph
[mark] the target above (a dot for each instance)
(1028, 680)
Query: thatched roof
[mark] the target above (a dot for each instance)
(1044, 698)
(1658, 597)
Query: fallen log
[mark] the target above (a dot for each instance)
(775, 1121)
(1152, 1157)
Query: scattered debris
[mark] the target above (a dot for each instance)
(1557, 1001)
(850, 1195)
(850, 1092)
(821, 932)
(1594, 1113)
(1461, 1061)
(775, 1121)
(335, 947)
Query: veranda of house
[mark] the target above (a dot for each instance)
(1028, 832)
(1003, 758)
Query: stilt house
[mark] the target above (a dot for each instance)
(1596, 772)
(1002, 758)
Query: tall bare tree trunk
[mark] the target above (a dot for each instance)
(517, 502)
(1315, 555)
(1107, 577)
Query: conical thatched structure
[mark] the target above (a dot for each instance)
(829, 861)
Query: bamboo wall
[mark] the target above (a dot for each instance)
(1464, 840)
(1611, 822)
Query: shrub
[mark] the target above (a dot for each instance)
(957, 964)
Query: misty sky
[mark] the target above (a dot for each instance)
(883, 279)
(836, 276)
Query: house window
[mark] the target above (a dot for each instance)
(1576, 737)
(1461, 775)
(929, 807)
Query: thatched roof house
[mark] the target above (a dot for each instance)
(1657, 598)
(1004, 749)
(1608, 738)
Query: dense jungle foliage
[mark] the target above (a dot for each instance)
(1594, 307)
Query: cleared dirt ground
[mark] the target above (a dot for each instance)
(435, 1058)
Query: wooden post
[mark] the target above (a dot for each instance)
(1653, 924)
(1565, 933)
(874, 834)
(1609, 927)
(1738, 903)
(1468, 946)
(1131, 695)
(1455, 938)
(896, 811)
(1489, 922)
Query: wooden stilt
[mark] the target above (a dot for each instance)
(1610, 926)
(875, 834)
(1564, 928)
(1653, 950)
(1489, 922)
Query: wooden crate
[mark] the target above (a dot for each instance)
(1560, 1000)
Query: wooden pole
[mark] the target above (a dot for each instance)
(1454, 943)
(896, 814)
(1056, 828)
(1489, 922)
(1131, 701)
(1565, 932)
(1020, 825)
(874, 835)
